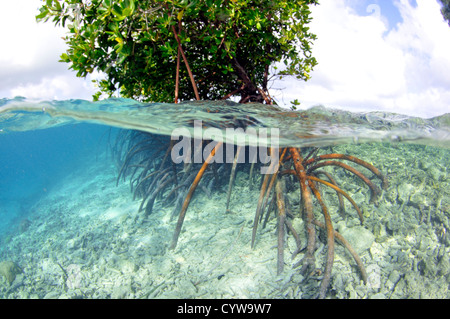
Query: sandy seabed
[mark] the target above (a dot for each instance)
(83, 238)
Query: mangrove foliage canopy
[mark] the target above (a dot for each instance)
(232, 47)
(445, 10)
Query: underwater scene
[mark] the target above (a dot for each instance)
(127, 200)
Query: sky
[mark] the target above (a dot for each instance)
(373, 55)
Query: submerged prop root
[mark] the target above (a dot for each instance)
(152, 175)
(189, 195)
(265, 190)
(279, 191)
(375, 191)
(232, 176)
(339, 195)
(330, 243)
(337, 189)
(306, 172)
(350, 249)
(300, 172)
(353, 159)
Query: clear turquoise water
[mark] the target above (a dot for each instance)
(317, 126)
(41, 143)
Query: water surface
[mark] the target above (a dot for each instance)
(75, 233)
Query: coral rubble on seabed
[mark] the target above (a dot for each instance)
(83, 241)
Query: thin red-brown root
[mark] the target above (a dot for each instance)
(330, 243)
(353, 159)
(265, 192)
(300, 172)
(190, 193)
(349, 247)
(279, 190)
(361, 218)
(258, 208)
(269, 190)
(373, 188)
(232, 176)
(296, 236)
(339, 195)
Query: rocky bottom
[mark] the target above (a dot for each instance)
(82, 240)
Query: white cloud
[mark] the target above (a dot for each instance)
(365, 66)
(59, 87)
(30, 54)
(27, 45)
